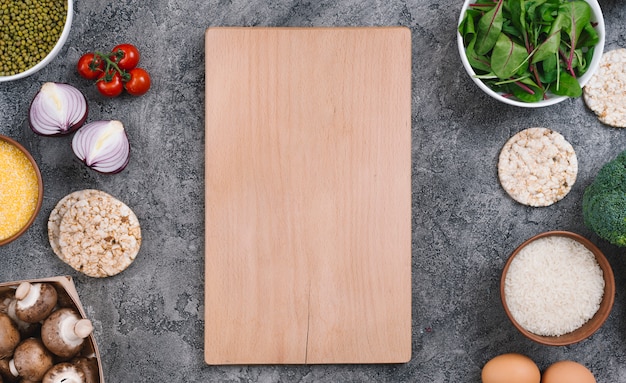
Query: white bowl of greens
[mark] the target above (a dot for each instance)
(520, 51)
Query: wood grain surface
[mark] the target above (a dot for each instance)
(308, 195)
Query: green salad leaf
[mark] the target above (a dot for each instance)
(489, 28)
(508, 57)
(528, 49)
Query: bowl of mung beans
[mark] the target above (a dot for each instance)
(32, 32)
(21, 190)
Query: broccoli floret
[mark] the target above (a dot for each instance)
(604, 202)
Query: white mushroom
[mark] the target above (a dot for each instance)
(64, 331)
(64, 373)
(35, 301)
(9, 336)
(31, 360)
(27, 330)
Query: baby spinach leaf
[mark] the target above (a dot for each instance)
(512, 32)
(531, 7)
(588, 37)
(466, 28)
(588, 58)
(576, 14)
(549, 69)
(489, 28)
(523, 94)
(579, 59)
(548, 11)
(567, 86)
(475, 60)
(507, 57)
(551, 45)
(517, 9)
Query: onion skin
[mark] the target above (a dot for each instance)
(102, 146)
(57, 110)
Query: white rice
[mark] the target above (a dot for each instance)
(553, 286)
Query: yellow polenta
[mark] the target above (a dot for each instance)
(18, 190)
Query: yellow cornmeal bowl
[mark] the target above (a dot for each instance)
(21, 190)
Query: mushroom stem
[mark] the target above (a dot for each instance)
(12, 368)
(83, 328)
(74, 331)
(23, 291)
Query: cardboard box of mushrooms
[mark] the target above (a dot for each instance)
(45, 335)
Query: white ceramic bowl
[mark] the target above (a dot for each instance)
(53, 53)
(552, 99)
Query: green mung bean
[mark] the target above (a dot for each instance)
(28, 32)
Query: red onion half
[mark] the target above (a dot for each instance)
(57, 109)
(103, 146)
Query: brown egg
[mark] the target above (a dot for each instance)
(511, 368)
(567, 371)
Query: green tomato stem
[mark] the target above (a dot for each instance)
(111, 64)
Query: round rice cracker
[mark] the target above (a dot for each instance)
(537, 167)
(605, 92)
(99, 236)
(54, 221)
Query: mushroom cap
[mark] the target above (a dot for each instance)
(63, 332)
(89, 366)
(64, 372)
(9, 336)
(35, 301)
(32, 360)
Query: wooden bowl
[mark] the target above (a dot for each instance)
(39, 191)
(593, 324)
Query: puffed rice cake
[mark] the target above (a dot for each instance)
(54, 221)
(605, 93)
(98, 235)
(537, 167)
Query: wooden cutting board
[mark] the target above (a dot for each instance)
(308, 195)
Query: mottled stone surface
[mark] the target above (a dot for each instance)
(149, 319)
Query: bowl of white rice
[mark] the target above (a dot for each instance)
(557, 288)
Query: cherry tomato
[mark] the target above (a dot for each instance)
(126, 56)
(110, 84)
(139, 82)
(90, 66)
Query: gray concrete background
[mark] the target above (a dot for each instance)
(149, 319)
